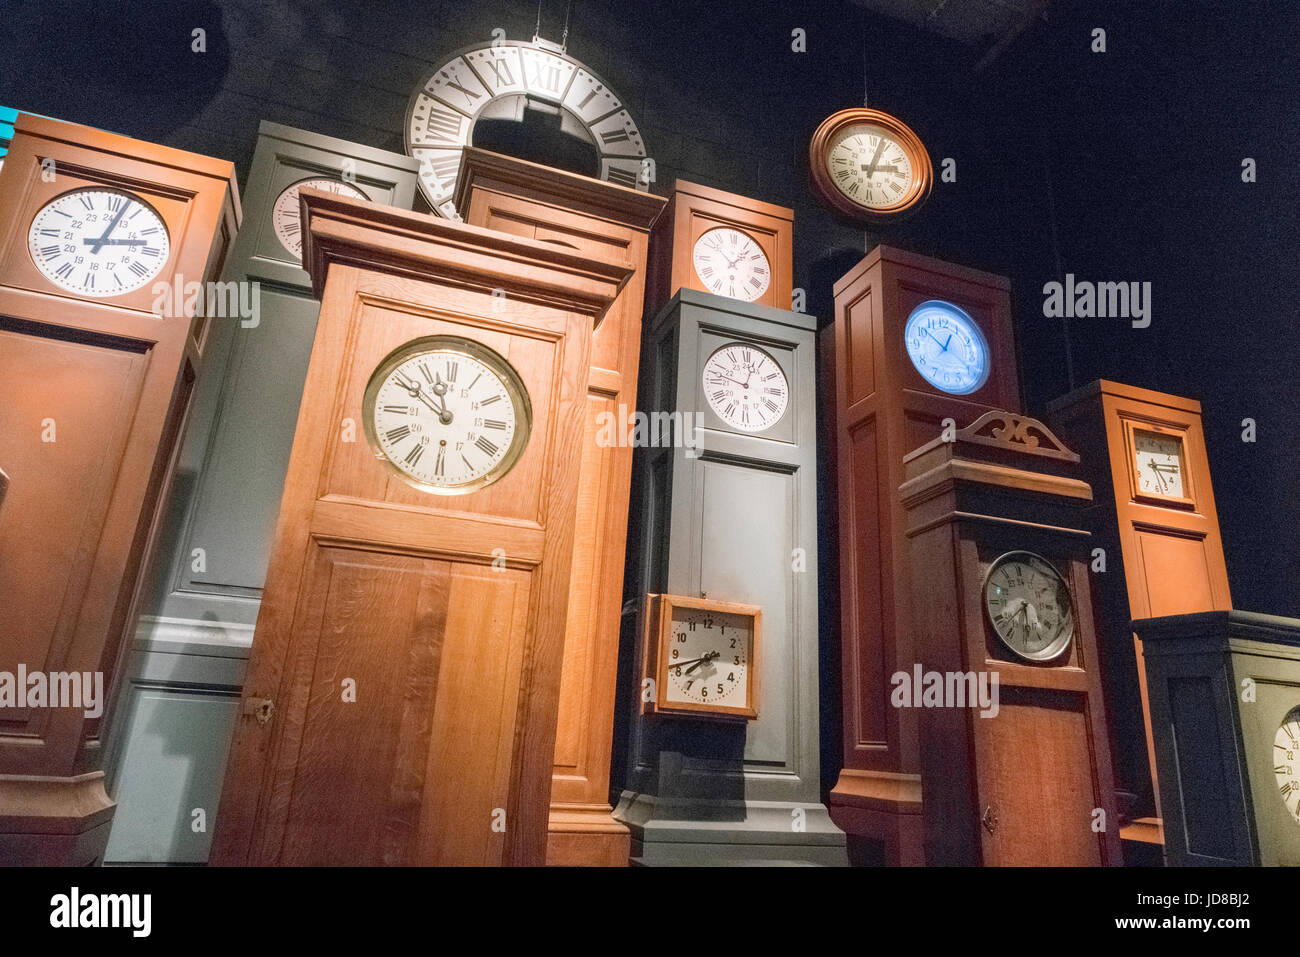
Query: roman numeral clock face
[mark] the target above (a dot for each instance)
(1286, 762)
(870, 167)
(98, 242)
(286, 215)
(731, 263)
(449, 415)
(745, 387)
(1028, 604)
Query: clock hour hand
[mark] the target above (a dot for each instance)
(96, 246)
(111, 242)
(870, 168)
(703, 660)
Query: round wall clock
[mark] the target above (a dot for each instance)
(286, 214)
(447, 414)
(98, 242)
(745, 387)
(947, 347)
(869, 165)
(730, 263)
(496, 80)
(1028, 605)
(1286, 761)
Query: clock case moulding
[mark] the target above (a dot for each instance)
(727, 524)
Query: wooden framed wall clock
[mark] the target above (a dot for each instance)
(196, 628)
(721, 243)
(1145, 457)
(99, 372)
(499, 80)
(703, 657)
(1224, 693)
(870, 166)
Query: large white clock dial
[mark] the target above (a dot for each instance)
(286, 215)
(1286, 761)
(1159, 463)
(730, 263)
(448, 414)
(491, 80)
(1028, 604)
(869, 166)
(745, 387)
(98, 242)
(708, 658)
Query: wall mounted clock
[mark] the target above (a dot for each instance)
(286, 217)
(98, 242)
(447, 414)
(869, 165)
(745, 387)
(497, 80)
(947, 347)
(1028, 605)
(703, 657)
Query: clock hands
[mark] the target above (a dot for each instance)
(112, 242)
(870, 168)
(99, 244)
(417, 392)
(703, 659)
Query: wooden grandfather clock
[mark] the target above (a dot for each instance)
(1156, 520)
(98, 365)
(611, 223)
(998, 571)
(916, 341)
(402, 691)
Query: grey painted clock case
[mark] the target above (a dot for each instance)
(193, 639)
(737, 523)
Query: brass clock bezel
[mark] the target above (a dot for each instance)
(819, 157)
(468, 348)
(1063, 643)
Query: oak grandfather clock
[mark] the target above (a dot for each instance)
(916, 341)
(97, 367)
(401, 696)
(609, 222)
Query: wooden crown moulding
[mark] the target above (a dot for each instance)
(357, 233)
(483, 169)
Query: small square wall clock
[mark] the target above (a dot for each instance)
(702, 656)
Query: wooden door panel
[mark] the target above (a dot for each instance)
(1176, 572)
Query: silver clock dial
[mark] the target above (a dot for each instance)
(730, 263)
(869, 166)
(745, 387)
(1028, 604)
(98, 242)
(286, 216)
(708, 658)
(1286, 762)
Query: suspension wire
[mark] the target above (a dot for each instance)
(568, 12)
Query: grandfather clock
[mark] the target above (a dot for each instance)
(1005, 687)
(1224, 690)
(402, 691)
(201, 596)
(1155, 517)
(916, 341)
(611, 223)
(98, 365)
(725, 769)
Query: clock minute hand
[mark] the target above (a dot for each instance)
(870, 168)
(97, 246)
(704, 660)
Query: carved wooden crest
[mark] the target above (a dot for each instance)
(1020, 433)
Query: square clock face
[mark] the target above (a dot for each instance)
(1159, 464)
(705, 657)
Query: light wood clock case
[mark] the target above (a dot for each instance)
(98, 373)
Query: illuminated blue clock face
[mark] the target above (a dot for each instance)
(947, 347)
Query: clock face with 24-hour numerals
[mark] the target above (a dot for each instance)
(745, 387)
(1286, 762)
(98, 242)
(286, 215)
(731, 263)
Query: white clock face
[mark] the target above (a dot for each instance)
(449, 415)
(286, 216)
(869, 167)
(1159, 462)
(708, 658)
(745, 387)
(1028, 605)
(98, 242)
(947, 347)
(1286, 762)
(731, 263)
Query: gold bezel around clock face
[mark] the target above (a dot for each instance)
(870, 166)
(447, 414)
(1028, 604)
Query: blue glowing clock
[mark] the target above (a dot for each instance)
(947, 347)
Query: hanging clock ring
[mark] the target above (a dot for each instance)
(498, 80)
(870, 166)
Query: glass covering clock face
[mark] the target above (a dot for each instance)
(708, 658)
(98, 242)
(947, 347)
(869, 166)
(449, 415)
(731, 263)
(286, 215)
(1028, 605)
(1286, 762)
(745, 387)
(1159, 463)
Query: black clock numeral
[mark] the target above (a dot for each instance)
(400, 409)
(150, 251)
(490, 400)
(718, 396)
(397, 434)
(452, 367)
(85, 201)
(413, 456)
(139, 268)
(623, 177)
(771, 405)
(489, 447)
(64, 271)
(50, 232)
(49, 251)
(475, 382)
(424, 371)
(493, 424)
